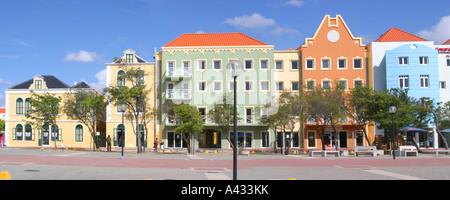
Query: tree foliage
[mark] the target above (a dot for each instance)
(85, 106)
(189, 122)
(135, 96)
(44, 110)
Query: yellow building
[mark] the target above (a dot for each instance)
(19, 133)
(287, 78)
(117, 117)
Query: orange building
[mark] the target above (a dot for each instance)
(333, 54)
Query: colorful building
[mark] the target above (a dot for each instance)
(194, 72)
(287, 79)
(444, 68)
(333, 55)
(117, 122)
(376, 53)
(399, 59)
(66, 133)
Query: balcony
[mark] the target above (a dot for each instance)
(178, 94)
(176, 74)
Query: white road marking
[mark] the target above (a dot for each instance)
(392, 174)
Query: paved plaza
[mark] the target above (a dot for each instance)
(34, 164)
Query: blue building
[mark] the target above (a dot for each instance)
(414, 67)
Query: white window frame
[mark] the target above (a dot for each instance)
(251, 86)
(261, 64)
(322, 64)
(345, 63)
(214, 86)
(201, 63)
(403, 79)
(214, 65)
(261, 86)
(278, 89)
(205, 87)
(423, 60)
(424, 81)
(282, 67)
(404, 60)
(313, 63)
(361, 60)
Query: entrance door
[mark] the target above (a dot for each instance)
(45, 137)
(343, 139)
(119, 139)
(209, 139)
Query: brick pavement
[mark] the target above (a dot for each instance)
(35, 164)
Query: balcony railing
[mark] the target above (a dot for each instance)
(172, 73)
(178, 94)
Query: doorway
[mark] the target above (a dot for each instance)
(209, 139)
(343, 139)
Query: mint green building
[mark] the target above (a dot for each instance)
(193, 71)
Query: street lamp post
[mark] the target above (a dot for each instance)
(235, 69)
(122, 109)
(393, 110)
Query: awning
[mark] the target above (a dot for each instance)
(412, 129)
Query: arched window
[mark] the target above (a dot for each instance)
(19, 132)
(27, 106)
(119, 138)
(140, 77)
(28, 132)
(55, 133)
(121, 78)
(19, 106)
(79, 133)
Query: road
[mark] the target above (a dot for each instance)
(33, 164)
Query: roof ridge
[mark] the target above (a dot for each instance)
(447, 42)
(214, 39)
(391, 36)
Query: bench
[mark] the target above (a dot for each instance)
(323, 153)
(404, 150)
(439, 151)
(311, 153)
(366, 149)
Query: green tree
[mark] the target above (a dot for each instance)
(222, 114)
(136, 98)
(44, 111)
(358, 104)
(189, 122)
(316, 110)
(87, 107)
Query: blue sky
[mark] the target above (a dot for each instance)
(73, 39)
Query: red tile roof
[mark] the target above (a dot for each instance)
(397, 35)
(213, 39)
(447, 43)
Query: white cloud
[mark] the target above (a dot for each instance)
(101, 81)
(81, 56)
(278, 31)
(295, 3)
(3, 81)
(23, 43)
(255, 21)
(438, 33)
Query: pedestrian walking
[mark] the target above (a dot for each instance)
(155, 144)
(108, 143)
(2, 140)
